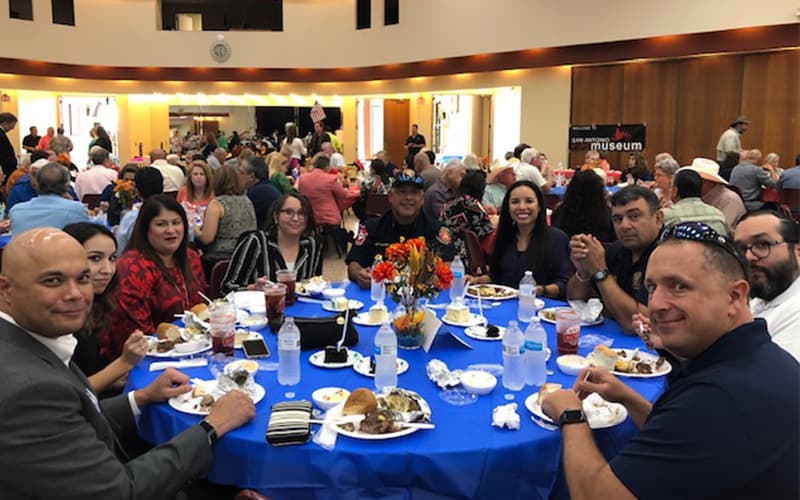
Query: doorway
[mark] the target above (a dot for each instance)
(79, 114)
(395, 129)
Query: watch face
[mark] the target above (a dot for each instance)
(572, 417)
(600, 275)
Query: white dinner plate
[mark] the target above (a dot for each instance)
(354, 304)
(615, 413)
(336, 412)
(544, 312)
(363, 320)
(645, 356)
(237, 344)
(479, 333)
(173, 353)
(187, 404)
(474, 319)
(252, 300)
(361, 366)
(506, 292)
(318, 359)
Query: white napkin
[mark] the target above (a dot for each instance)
(184, 363)
(326, 435)
(506, 416)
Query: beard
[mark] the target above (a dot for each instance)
(776, 279)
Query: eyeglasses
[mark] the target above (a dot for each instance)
(759, 249)
(290, 213)
(702, 233)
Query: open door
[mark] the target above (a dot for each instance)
(396, 128)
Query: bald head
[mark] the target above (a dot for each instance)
(158, 154)
(45, 284)
(421, 162)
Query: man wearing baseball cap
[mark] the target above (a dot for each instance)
(731, 139)
(716, 191)
(405, 219)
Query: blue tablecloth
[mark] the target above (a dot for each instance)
(560, 190)
(464, 457)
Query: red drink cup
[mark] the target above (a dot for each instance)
(568, 331)
(288, 278)
(222, 322)
(275, 300)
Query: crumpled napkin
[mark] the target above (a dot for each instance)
(326, 435)
(184, 363)
(506, 416)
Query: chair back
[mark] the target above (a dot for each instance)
(93, 200)
(215, 281)
(476, 260)
(377, 205)
(551, 200)
(790, 198)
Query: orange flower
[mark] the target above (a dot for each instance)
(383, 271)
(397, 252)
(443, 274)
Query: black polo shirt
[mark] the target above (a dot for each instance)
(727, 426)
(629, 274)
(415, 143)
(376, 234)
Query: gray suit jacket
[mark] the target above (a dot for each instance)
(54, 443)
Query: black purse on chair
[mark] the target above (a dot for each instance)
(318, 333)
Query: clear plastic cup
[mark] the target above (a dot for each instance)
(275, 300)
(568, 331)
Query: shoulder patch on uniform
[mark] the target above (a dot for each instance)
(361, 237)
(444, 236)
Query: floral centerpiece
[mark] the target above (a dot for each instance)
(411, 271)
(125, 192)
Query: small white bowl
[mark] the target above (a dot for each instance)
(332, 293)
(248, 364)
(572, 364)
(327, 397)
(254, 322)
(478, 382)
(190, 346)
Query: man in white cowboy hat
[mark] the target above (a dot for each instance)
(731, 139)
(716, 191)
(500, 177)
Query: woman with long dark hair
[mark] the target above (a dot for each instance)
(159, 275)
(287, 243)
(103, 140)
(101, 250)
(585, 209)
(525, 242)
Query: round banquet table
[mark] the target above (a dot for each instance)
(464, 457)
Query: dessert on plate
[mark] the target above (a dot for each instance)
(378, 313)
(457, 313)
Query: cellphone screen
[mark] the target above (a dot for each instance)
(255, 348)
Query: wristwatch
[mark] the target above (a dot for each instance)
(211, 433)
(600, 275)
(571, 417)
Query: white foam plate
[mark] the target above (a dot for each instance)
(354, 304)
(544, 318)
(474, 319)
(187, 404)
(509, 293)
(252, 300)
(336, 412)
(615, 415)
(251, 336)
(363, 320)
(318, 359)
(173, 353)
(665, 368)
(361, 366)
(479, 333)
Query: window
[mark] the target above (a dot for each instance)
(63, 12)
(391, 12)
(363, 14)
(21, 9)
(222, 15)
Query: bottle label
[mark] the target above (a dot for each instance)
(288, 344)
(458, 274)
(530, 345)
(385, 350)
(513, 350)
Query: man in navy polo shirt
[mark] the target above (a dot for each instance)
(727, 425)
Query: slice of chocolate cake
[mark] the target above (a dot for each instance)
(332, 355)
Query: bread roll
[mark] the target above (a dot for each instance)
(546, 389)
(168, 331)
(201, 311)
(360, 402)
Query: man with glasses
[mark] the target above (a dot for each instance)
(726, 426)
(405, 219)
(617, 274)
(769, 242)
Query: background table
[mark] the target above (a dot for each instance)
(464, 457)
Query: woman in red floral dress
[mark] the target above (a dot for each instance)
(159, 276)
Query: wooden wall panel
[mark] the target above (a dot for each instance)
(771, 100)
(650, 93)
(596, 98)
(709, 91)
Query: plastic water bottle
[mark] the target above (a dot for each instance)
(535, 353)
(527, 298)
(457, 286)
(513, 358)
(377, 290)
(288, 353)
(385, 357)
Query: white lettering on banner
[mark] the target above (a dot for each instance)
(616, 146)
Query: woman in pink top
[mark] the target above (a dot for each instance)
(327, 196)
(197, 193)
